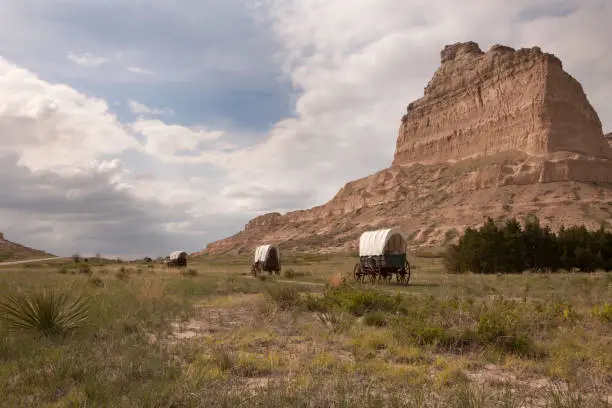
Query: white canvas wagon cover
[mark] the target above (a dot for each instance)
(373, 243)
(177, 254)
(261, 253)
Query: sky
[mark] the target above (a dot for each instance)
(134, 128)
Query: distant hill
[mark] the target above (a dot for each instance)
(10, 251)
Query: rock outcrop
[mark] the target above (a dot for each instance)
(10, 251)
(479, 104)
(499, 133)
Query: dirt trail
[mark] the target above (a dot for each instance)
(30, 261)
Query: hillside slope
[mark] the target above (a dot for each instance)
(10, 251)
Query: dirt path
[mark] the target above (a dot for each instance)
(30, 261)
(381, 289)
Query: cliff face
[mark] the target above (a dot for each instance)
(501, 133)
(478, 104)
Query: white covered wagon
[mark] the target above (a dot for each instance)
(177, 259)
(267, 258)
(382, 254)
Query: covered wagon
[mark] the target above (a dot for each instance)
(267, 258)
(177, 259)
(382, 255)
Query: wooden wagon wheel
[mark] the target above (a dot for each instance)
(408, 270)
(358, 273)
(374, 271)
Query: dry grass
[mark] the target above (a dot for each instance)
(219, 338)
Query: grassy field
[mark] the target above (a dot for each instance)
(213, 336)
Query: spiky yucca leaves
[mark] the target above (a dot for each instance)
(49, 312)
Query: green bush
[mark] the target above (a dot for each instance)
(378, 319)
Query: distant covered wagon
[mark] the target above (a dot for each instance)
(267, 258)
(382, 254)
(177, 259)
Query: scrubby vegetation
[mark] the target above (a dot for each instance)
(512, 248)
(221, 338)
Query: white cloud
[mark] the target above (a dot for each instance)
(140, 71)
(355, 66)
(86, 60)
(174, 143)
(139, 108)
(53, 125)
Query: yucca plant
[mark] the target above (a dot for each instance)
(49, 312)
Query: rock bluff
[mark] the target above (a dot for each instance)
(478, 104)
(500, 133)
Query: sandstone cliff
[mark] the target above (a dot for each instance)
(499, 133)
(480, 103)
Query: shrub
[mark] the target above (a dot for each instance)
(378, 319)
(285, 297)
(47, 312)
(85, 269)
(189, 272)
(604, 312)
(502, 324)
(122, 274)
(96, 282)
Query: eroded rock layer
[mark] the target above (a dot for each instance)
(498, 134)
(479, 104)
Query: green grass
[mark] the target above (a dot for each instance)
(221, 338)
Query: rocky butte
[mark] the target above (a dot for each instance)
(496, 134)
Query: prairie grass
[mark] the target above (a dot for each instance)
(444, 341)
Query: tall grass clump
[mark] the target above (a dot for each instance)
(285, 297)
(50, 312)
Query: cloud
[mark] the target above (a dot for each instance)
(82, 177)
(86, 60)
(356, 67)
(173, 143)
(52, 125)
(58, 191)
(140, 108)
(140, 71)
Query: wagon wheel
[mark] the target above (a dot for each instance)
(408, 270)
(400, 276)
(278, 271)
(374, 271)
(254, 270)
(386, 277)
(358, 273)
